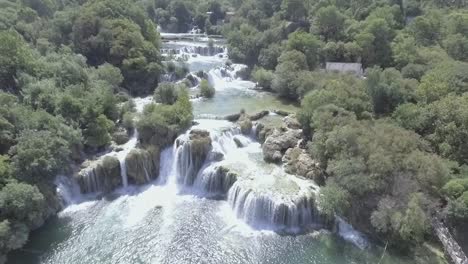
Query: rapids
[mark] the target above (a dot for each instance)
(226, 207)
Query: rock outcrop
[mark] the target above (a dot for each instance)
(259, 115)
(262, 132)
(291, 122)
(298, 161)
(245, 124)
(278, 142)
(142, 165)
(102, 176)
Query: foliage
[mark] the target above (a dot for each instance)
(206, 89)
(167, 93)
(388, 89)
(160, 124)
(15, 56)
(39, 155)
(264, 78)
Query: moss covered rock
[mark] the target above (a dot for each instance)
(101, 176)
(245, 124)
(142, 165)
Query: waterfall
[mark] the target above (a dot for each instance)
(266, 211)
(192, 50)
(68, 190)
(194, 148)
(89, 181)
(348, 233)
(215, 180)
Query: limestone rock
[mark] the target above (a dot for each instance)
(245, 124)
(262, 132)
(233, 117)
(200, 141)
(259, 115)
(291, 122)
(101, 176)
(142, 165)
(278, 142)
(238, 142)
(216, 156)
(298, 161)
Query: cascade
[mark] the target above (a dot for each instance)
(266, 210)
(96, 179)
(215, 180)
(89, 181)
(68, 190)
(348, 233)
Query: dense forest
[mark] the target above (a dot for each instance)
(393, 146)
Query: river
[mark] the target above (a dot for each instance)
(266, 217)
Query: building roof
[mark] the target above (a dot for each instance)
(344, 67)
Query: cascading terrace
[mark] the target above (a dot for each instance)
(264, 197)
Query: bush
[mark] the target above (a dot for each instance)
(128, 121)
(159, 124)
(264, 78)
(167, 93)
(206, 90)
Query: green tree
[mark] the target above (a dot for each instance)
(294, 9)
(264, 78)
(206, 89)
(15, 56)
(23, 203)
(166, 93)
(39, 156)
(330, 22)
(457, 47)
(307, 44)
(98, 132)
(388, 89)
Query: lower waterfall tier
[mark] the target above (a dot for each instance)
(267, 210)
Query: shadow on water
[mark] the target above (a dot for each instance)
(55, 231)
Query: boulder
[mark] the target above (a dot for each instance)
(238, 142)
(278, 142)
(142, 165)
(281, 112)
(262, 132)
(298, 161)
(245, 124)
(233, 117)
(215, 156)
(291, 122)
(259, 115)
(192, 80)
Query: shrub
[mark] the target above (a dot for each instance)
(206, 90)
(166, 93)
(264, 78)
